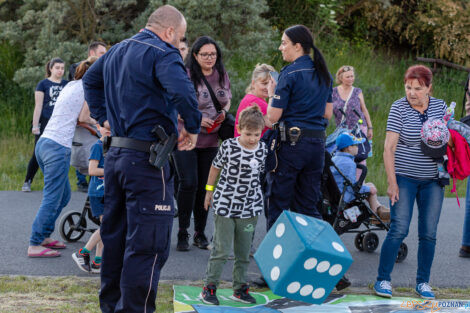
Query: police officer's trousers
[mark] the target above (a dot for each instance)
(136, 230)
(296, 183)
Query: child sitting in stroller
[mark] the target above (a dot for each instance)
(344, 160)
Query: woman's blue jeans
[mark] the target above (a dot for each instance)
(466, 222)
(429, 196)
(54, 161)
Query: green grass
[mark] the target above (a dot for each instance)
(380, 77)
(14, 157)
(80, 295)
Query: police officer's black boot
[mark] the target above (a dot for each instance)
(183, 240)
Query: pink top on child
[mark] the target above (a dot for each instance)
(248, 101)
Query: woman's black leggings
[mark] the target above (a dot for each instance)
(33, 165)
(193, 169)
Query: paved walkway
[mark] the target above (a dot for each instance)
(17, 211)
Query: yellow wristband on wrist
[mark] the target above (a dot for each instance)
(210, 187)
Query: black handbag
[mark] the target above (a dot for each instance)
(227, 128)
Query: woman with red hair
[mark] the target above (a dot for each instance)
(411, 175)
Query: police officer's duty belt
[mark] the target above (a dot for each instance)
(130, 143)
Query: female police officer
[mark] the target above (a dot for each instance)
(302, 101)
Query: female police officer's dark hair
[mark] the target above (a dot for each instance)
(301, 34)
(194, 67)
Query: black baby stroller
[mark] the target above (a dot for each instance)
(333, 207)
(73, 225)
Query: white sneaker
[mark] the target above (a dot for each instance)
(26, 186)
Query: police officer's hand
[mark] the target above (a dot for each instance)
(208, 199)
(207, 122)
(106, 125)
(186, 141)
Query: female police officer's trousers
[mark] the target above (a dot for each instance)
(297, 180)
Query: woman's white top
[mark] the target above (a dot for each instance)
(61, 125)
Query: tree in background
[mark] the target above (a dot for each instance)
(54, 28)
(435, 28)
(49, 28)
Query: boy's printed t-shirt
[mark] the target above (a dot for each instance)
(51, 92)
(238, 193)
(96, 185)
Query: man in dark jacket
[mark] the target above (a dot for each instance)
(139, 84)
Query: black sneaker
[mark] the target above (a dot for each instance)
(82, 260)
(343, 283)
(95, 268)
(200, 241)
(464, 253)
(208, 295)
(82, 187)
(260, 282)
(242, 295)
(183, 241)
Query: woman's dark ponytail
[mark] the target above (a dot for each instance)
(320, 65)
(302, 35)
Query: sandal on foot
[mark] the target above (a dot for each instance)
(46, 253)
(55, 244)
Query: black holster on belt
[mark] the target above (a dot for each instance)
(160, 151)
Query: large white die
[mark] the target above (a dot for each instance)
(302, 258)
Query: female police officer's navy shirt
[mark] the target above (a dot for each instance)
(302, 96)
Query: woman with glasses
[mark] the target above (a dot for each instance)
(411, 176)
(210, 79)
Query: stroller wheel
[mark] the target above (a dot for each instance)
(370, 242)
(358, 241)
(402, 253)
(69, 227)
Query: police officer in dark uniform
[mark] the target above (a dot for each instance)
(301, 103)
(140, 85)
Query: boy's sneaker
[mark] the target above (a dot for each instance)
(183, 241)
(82, 260)
(425, 291)
(242, 295)
(383, 288)
(95, 268)
(26, 186)
(200, 241)
(208, 295)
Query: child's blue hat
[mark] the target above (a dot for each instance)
(345, 140)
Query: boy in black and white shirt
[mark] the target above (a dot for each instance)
(237, 203)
